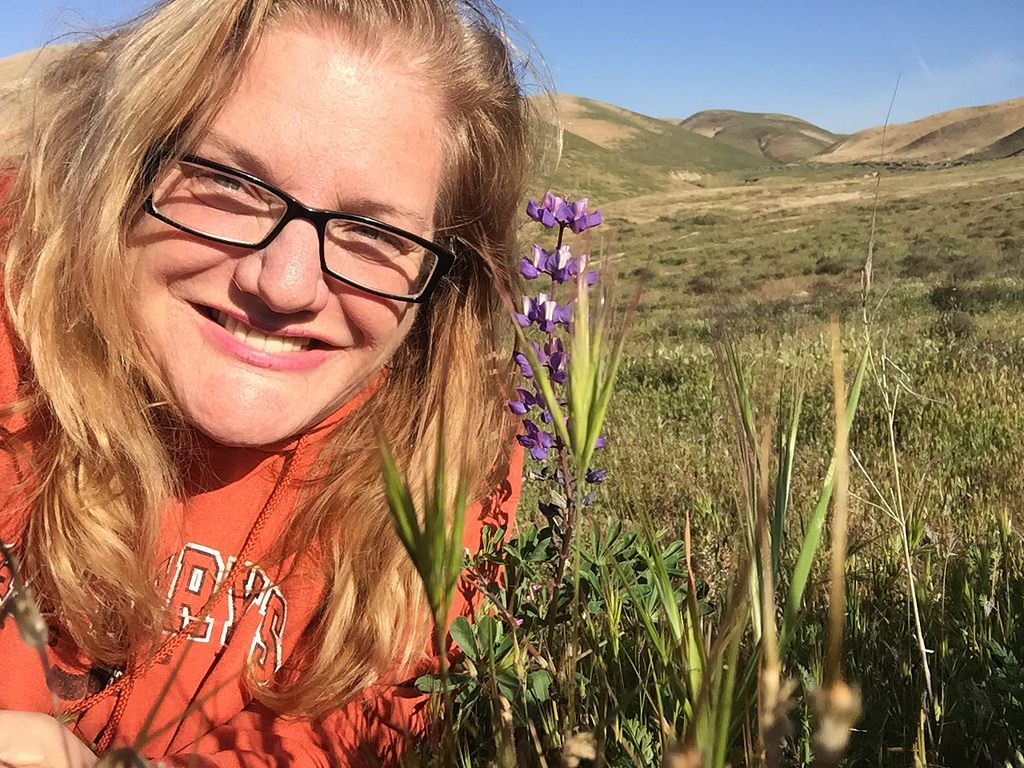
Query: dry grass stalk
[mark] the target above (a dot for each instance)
(774, 695)
(836, 704)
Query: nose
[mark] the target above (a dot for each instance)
(286, 274)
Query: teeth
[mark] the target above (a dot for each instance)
(259, 340)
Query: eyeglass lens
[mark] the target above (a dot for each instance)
(228, 207)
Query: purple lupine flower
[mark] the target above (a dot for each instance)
(533, 311)
(528, 269)
(524, 365)
(544, 311)
(531, 268)
(536, 439)
(544, 212)
(561, 265)
(557, 368)
(579, 219)
(549, 510)
(554, 210)
(526, 401)
(552, 357)
(525, 318)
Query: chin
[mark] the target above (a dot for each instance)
(238, 428)
(248, 436)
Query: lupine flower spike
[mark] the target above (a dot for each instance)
(543, 361)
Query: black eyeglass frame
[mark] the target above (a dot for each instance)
(319, 218)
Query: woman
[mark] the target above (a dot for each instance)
(248, 237)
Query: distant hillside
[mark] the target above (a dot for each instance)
(986, 132)
(779, 138)
(613, 152)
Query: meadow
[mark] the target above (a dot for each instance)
(944, 325)
(691, 624)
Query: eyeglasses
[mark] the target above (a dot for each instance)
(229, 206)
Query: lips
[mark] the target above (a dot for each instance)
(261, 340)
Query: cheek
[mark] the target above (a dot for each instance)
(161, 255)
(376, 323)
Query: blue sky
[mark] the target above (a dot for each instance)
(833, 62)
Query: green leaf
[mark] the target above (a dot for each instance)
(487, 634)
(428, 684)
(462, 635)
(816, 525)
(403, 513)
(539, 685)
(508, 685)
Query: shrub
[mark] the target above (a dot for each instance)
(954, 326)
(947, 298)
(701, 285)
(828, 266)
(917, 264)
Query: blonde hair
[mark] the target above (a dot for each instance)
(107, 116)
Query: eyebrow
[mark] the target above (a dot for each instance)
(251, 163)
(242, 158)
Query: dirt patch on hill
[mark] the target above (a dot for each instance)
(938, 138)
(604, 134)
(574, 115)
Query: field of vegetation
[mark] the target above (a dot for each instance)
(628, 646)
(938, 459)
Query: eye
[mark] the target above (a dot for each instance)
(380, 236)
(227, 182)
(210, 178)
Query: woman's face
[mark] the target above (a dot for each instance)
(337, 131)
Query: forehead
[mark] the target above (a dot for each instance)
(332, 121)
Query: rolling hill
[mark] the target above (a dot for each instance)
(613, 152)
(986, 132)
(778, 138)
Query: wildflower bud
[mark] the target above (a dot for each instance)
(683, 756)
(579, 747)
(838, 709)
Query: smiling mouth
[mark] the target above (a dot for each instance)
(258, 340)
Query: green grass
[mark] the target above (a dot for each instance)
(947, 315)
(938, 471)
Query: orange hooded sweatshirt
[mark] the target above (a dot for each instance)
(191, 705)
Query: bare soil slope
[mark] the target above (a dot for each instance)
(971, 133)
(603, 124)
